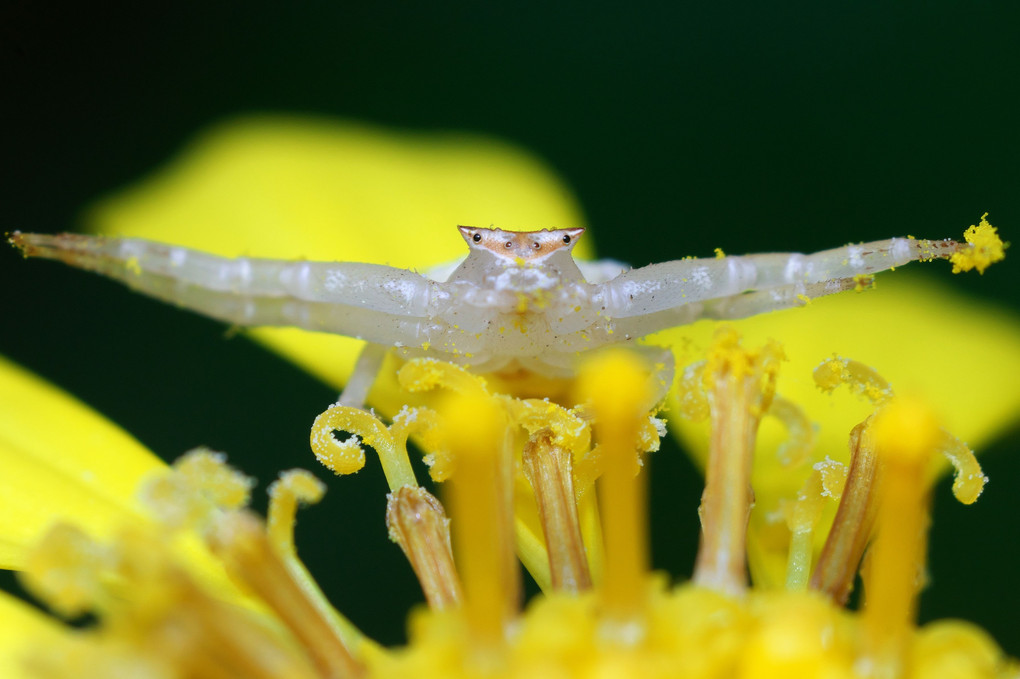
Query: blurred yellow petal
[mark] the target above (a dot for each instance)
(960, 355)
(60, 460)
(291, 188)
(22, 629)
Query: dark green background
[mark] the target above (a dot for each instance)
(682, 127)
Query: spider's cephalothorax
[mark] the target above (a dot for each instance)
(529, 246)
(517, 302)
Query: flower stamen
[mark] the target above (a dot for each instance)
(549, 470)
(241, 541)
(417, 523)
(740, 384)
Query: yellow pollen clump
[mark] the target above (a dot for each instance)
(985, 249)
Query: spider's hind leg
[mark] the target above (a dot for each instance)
(363, 376)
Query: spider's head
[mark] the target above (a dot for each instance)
(526, 245)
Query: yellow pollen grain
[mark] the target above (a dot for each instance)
(719, 254)
(863, 281)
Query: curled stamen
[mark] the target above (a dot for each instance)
(424, 374)
(293, 487)
(969, 480)
(861, 379)
(348, 457)
(800, 432)
(424, 424)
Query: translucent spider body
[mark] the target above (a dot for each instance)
(518, 301)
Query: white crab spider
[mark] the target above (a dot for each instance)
(518, 301)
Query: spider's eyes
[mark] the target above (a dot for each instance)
(566, 239)
(477, 238)
(508, 245)
(538, 246)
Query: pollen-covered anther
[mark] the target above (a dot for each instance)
(859, 378)
(64, 569)
(198, 486)
(417, 523)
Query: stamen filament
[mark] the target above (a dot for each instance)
(740, 385)
(294, 487)
(727, 499)
(548, 469)
(242, 543)
(418, 523)
(851, 529)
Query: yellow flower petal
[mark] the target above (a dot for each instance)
(22, 629)
(292, 188)
(60, 460)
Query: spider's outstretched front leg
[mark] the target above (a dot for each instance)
(660, 296)
(381, 304)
